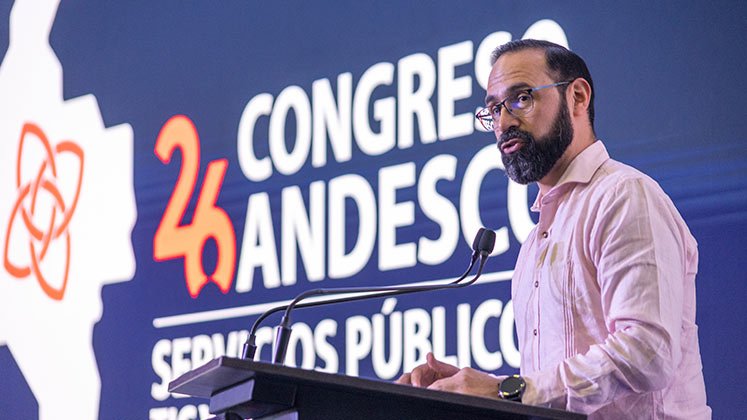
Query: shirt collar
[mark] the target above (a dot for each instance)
(581, 169)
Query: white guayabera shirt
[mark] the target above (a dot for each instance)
(604, 298)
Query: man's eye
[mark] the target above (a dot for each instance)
(521, 101)
(495, 109)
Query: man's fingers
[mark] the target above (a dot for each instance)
(442, 370)
(404, 379)
(439, 385)
(427, 373)
(423, 375)
(419, 376)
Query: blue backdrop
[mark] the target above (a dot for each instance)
(669, 100)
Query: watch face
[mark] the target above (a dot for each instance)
(512, 388)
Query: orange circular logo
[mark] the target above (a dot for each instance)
(56, 215)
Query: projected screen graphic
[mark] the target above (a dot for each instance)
(170, 171)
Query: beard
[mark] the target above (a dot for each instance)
(538, 156)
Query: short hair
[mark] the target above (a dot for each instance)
(561, 62)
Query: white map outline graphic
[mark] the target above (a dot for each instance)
(51, 340)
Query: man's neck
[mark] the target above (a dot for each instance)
(577, 146)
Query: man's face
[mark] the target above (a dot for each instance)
(532, 144)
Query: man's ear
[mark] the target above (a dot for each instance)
(580, 91)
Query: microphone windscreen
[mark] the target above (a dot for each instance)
(487, 242)
(478, 238)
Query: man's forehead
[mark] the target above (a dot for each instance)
(518, 69)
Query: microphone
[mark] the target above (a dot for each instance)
(250, 347)
(482, 246)
(283, 330)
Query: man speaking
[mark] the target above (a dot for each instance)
(604, 286)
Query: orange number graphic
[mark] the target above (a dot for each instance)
(174, 240)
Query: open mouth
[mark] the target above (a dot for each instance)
(511, 146)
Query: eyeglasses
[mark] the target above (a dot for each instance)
(518, 104)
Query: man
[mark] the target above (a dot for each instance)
(604, 286)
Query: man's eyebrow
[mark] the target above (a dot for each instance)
(516, 87)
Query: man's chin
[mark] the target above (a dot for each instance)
(517, 175)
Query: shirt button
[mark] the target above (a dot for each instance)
(535, 331)
(544, 235)
(536, 284)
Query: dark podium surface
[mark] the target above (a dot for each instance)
(240, 388)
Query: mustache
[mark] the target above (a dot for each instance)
(515, 133)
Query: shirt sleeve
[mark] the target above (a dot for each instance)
(637, 242)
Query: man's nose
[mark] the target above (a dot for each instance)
(505, 121)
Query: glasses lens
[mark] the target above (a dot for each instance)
(520, 104)
(485, 119)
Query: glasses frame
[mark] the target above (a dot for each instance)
(485, 115)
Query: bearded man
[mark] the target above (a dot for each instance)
(604, 286)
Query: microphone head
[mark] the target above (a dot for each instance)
(476, 241)
(487, 242)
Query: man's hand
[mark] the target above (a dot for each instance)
(444, 377)
(428, 373)
(471, 382)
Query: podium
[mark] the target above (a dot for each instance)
(243, 389)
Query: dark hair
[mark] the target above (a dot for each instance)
(563, 63)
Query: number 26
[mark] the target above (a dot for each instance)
(175, 240)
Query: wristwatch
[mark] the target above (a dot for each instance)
(512, 388)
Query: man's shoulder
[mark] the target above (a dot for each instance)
(617, 184)
(614, 174)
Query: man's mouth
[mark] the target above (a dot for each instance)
(511, 146)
